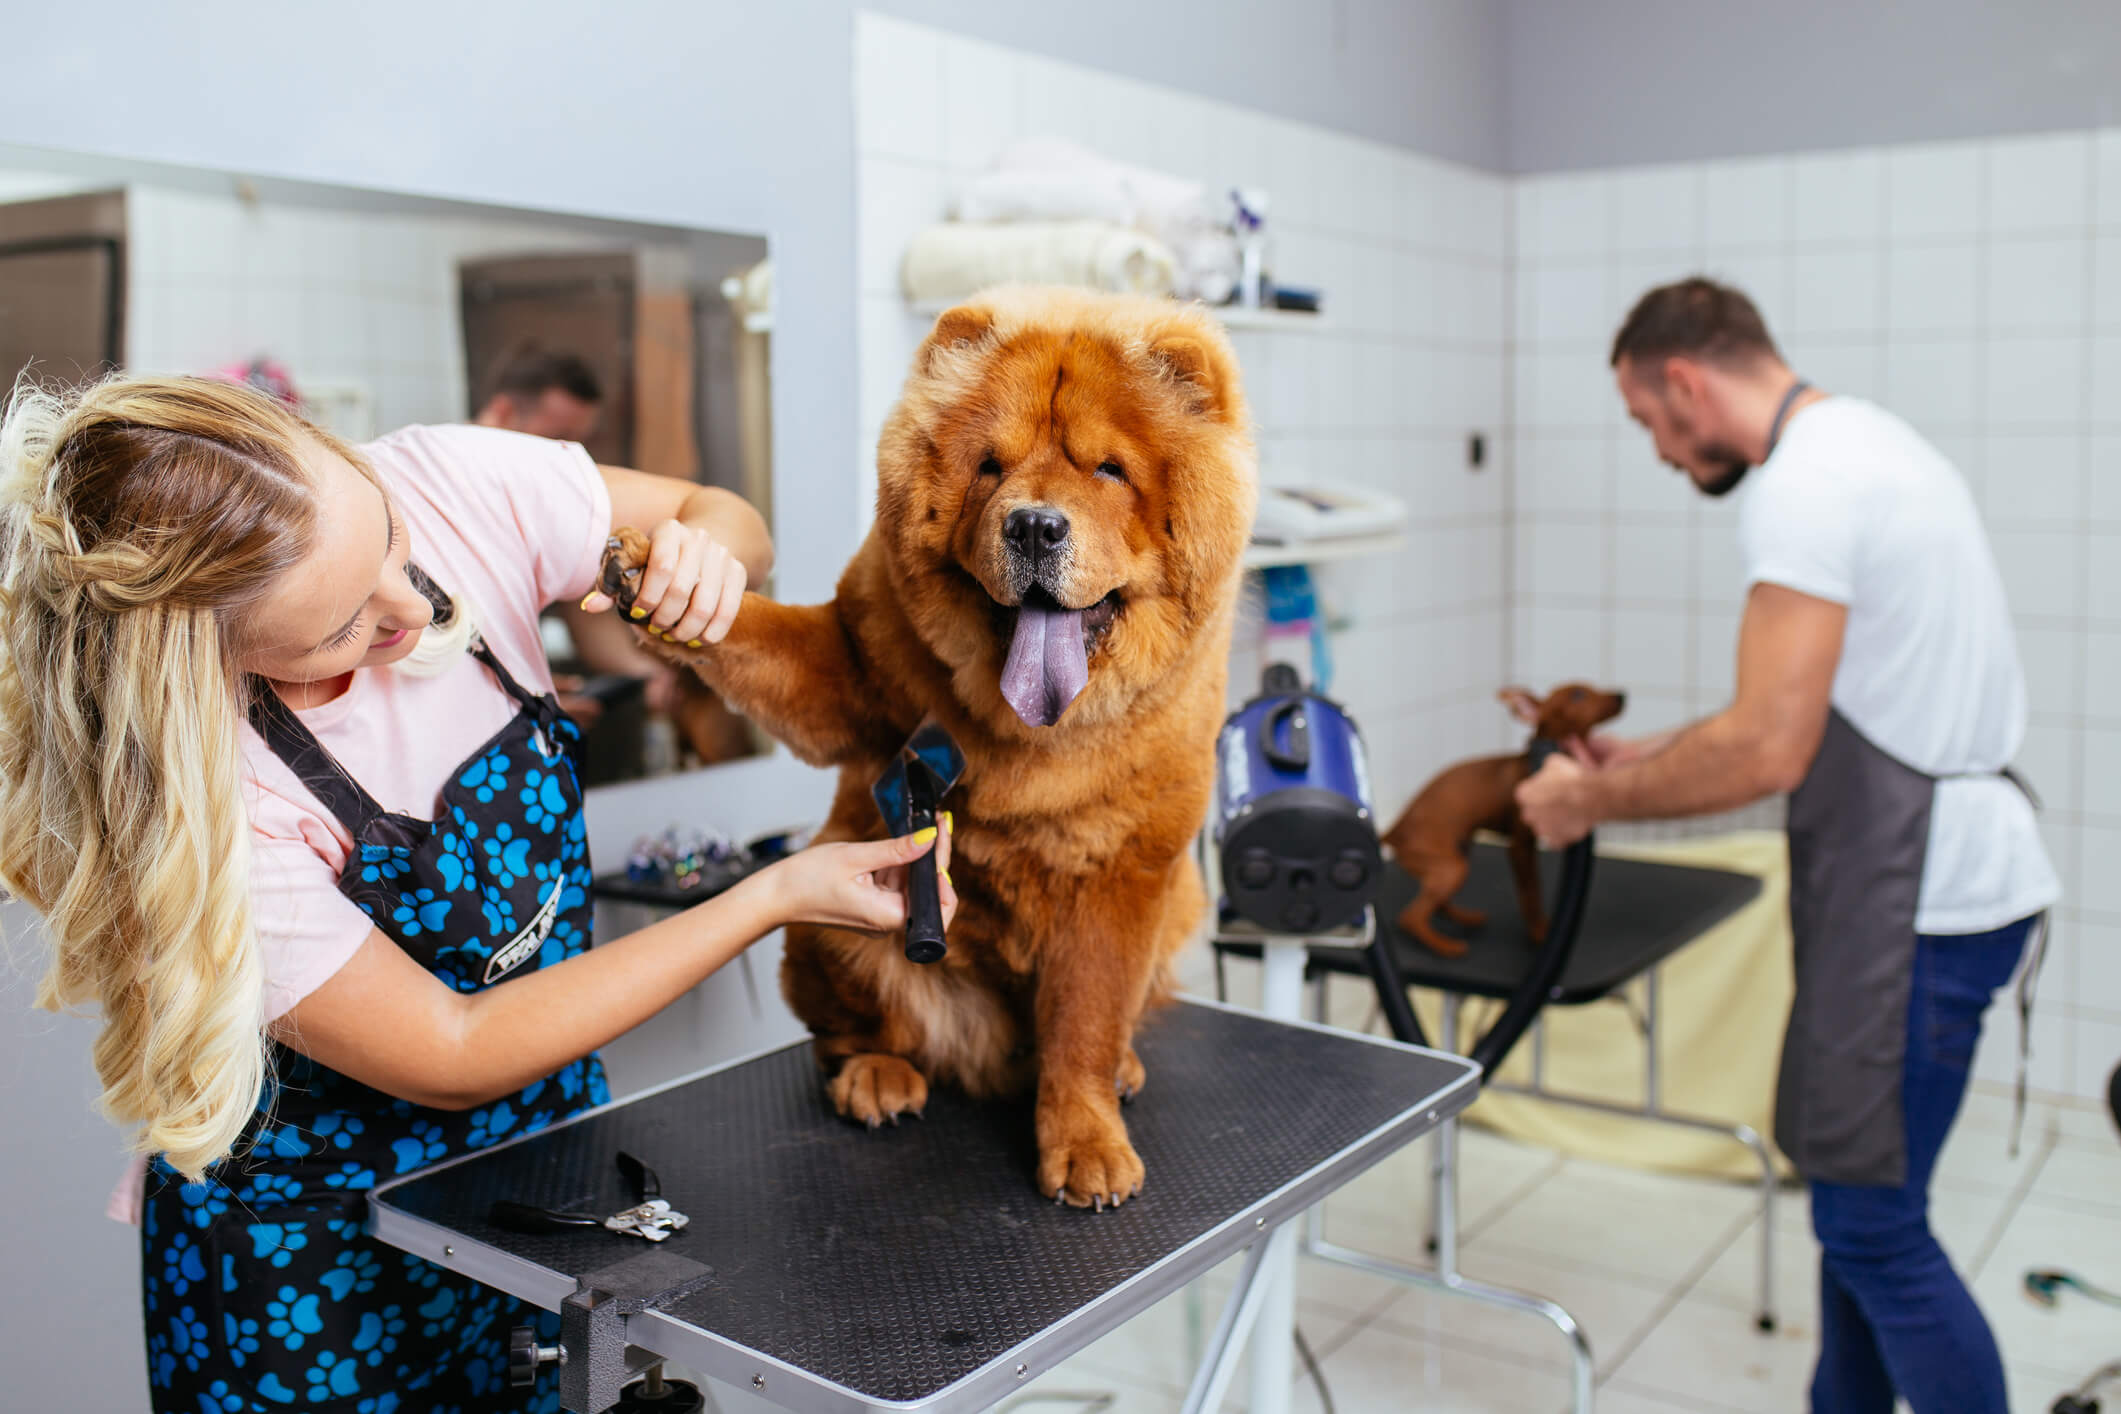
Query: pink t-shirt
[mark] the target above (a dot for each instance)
(508, 522)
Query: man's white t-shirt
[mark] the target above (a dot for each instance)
(1854, 506)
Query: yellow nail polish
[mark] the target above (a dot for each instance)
(948, 823)
(637, 612)
(585, 601)
(946, 878)
(926, 836)
(692, 643)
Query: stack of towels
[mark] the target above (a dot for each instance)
(1050, 212)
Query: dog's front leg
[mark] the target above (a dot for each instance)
(1093, 981)
(790, 668)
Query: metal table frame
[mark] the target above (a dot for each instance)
(1262, 1228)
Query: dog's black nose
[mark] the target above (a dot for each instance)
(1035, 530)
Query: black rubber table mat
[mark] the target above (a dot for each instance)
(896, 1263)
(1639, 914)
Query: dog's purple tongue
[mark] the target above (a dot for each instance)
(1047, 666)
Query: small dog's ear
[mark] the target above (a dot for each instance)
(961, 324)
(1522, 704)
(1199, 370)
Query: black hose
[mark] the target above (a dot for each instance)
(1534, 992)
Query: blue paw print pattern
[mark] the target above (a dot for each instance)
(204, 1202)
(293, 1317)
(183, 1264)
(275, 1390)
(239, 1337)
(544, 801)
(353, 1272)
(255, 1305)
(277, 1243)
(187, 1338)
(421, 1147)
(455, 864)
(377, 1338)
(332, 1377)
(340, 1131)
(385, 863)
(420, 912)
(352, 1177)
(269, 1190)
(486, 777)
(500, 913)
(218, 1398)
(507, 855)
(490, 1125)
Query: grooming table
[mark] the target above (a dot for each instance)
(1636, 915)
(918, 1267)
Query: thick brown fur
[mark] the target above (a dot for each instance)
(1071, 841)
(1431, 836)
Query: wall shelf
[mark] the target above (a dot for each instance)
(1318, 552)
(1232, 316)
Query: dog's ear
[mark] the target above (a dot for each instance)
(1522, 704)
(1199, 370)
(954, 327)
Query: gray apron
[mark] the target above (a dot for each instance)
(1859, 832)
(1859, 828)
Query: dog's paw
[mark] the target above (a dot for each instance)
(1096, 1170)
(625, 556)
(871, 1089)
(1132, 1076)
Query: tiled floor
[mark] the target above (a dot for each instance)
(1660, 1271)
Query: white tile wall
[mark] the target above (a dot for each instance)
(336, 295)
(1973, 287)
(1412, 256)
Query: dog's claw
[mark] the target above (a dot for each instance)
(875, 1123)
(1097, 1202)
(614, 580)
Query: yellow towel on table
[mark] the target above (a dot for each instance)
(1724, 999)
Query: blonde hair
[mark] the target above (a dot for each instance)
(141, 520)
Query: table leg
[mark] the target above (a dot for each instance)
(1240, 1318)
(1274, 1336)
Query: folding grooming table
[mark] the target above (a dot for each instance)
(1640, 914)
(834, 1270)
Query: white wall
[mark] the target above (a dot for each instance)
(1974, 288)
(1407, 360)
(1593, 85)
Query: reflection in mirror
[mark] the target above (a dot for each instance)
(373, 312)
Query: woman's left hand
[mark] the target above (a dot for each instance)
(690, 590)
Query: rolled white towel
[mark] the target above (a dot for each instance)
(953, 261)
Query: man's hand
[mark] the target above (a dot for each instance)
(1558, 802)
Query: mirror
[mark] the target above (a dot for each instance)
(371, 312)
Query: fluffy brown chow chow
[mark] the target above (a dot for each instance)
(1064, 492)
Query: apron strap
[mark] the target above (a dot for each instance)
(294, 743)
(2028, 976)
(445, 613)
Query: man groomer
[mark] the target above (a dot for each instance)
(1879, 685)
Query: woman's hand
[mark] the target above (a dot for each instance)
(859, 885)
(690, 589)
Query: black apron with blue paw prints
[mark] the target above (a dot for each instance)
(262, 1291)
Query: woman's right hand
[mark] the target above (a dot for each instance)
(858, 885)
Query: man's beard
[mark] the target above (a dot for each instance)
(1731, 469)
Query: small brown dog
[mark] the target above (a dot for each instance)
(1430, 838)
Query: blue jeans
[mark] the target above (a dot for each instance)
(1893, 1315)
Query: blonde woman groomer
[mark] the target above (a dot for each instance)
(281, 767)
